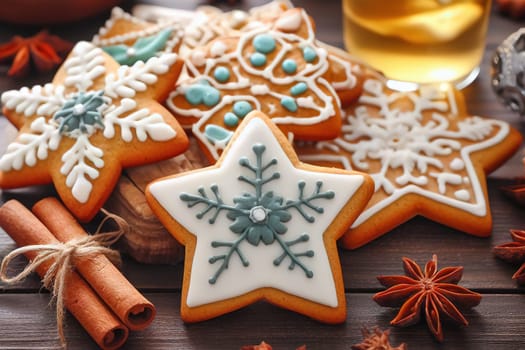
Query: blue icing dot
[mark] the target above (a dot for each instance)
(264, 43)
(202, 92)
(194, 94)
(222, 74)
(257, 59)
(217, 134)
(241, 108)
(309, 54)
(298, 88)
(231, 119)
(289, 104)
(211, 96)
(289, 66)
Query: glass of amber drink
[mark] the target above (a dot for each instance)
(418, 41)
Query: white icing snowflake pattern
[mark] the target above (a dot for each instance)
(405, 152)
(81, 107)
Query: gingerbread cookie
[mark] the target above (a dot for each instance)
(260, 225)
(129, 39)
(427, 157)
(277, 68)
(93, 119)
(343, 73)
(209, 22)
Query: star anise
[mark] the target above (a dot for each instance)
(433, 293)
(42, 52)
(377, 340)
(514, 252)
(265, 346)
(515, 192)
(262, 346)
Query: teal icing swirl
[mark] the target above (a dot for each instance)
(142, 50)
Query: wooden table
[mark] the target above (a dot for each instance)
(27, 321)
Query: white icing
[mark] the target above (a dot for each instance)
(289, 22)
(208, 22)
(77, 170)
(350, 80)
(462, 195)
(27, 149)
(198, 58)
(42, 100)
(238, 18)
(259, 89)
(237, 279)
(443, 179)
(84, 65)
(457, 164)
(148, 29)
(258, 214)
(316, 100)
(130, 80)
(141, 121)
(218, 48)
(82, 161)
(78, 109)
(131, 51)
(399, 139)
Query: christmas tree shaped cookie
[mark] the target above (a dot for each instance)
(260, 225)
(93, 119)
(277, 68)
(427, 157)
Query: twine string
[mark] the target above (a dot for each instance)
(61, 257)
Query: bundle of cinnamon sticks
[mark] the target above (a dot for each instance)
(103, 301)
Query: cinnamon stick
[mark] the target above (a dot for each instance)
(79, 298)
(117, 292)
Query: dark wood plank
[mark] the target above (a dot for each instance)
(27, 322)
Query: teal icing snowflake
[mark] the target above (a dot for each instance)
(81, 112)
(260, 216)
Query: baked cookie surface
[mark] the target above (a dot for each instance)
(427, 157)
(260, 225)
(93, 119)
(277, 68)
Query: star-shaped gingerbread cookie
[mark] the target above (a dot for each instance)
(427, 157)
(260, 225)
(278, 68)
(93, 119)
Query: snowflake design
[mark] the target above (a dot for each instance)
(400, 139)
(82, 113)
(92, 101)
(417, 146)
(259, 225)
(260, 216)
